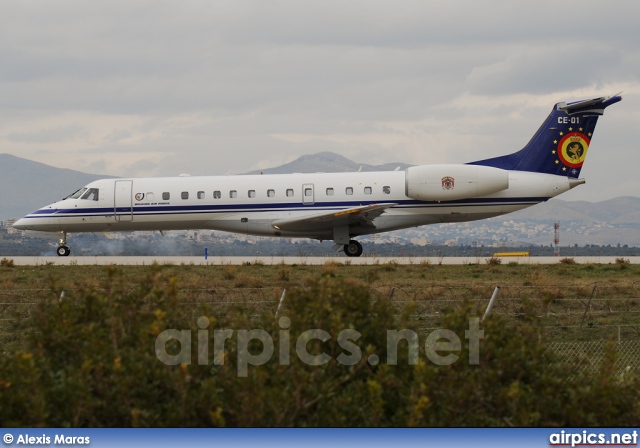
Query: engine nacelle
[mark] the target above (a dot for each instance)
(452, 182)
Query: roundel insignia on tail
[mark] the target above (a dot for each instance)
(572, 149)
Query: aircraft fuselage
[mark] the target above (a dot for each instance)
(251, 204)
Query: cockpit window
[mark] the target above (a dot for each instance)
(77, 194)
(91, 194)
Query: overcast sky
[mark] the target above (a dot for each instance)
(136, 88)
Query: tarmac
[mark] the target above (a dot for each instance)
(364, 260)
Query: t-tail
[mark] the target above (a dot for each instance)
(560, 146)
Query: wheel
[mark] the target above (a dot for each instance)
(63, 251)
(353, 249)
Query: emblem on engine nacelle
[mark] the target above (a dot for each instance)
(448, 183)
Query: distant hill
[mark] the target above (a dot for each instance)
(617, 211)
(26, 185)
(614, 221)
(327, 162)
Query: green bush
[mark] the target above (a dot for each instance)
(519, 382)
(90, 360)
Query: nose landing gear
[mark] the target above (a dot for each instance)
(63, 249)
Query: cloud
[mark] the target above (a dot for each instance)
(547, 68)
(51, 135)
(158, 88)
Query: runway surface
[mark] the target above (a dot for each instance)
(216, 261)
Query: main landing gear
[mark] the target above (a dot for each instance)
(63, 249)
(353, 249)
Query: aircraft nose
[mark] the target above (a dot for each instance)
(20, 224)
(27, 223)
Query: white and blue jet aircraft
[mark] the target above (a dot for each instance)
(337, 206)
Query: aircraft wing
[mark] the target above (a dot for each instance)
(362, 215)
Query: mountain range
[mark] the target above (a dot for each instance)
(26, 185)
(327, 162)
(614, 221)
(623, 210)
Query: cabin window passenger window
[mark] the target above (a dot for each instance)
(252, 193)
(289, 192)
(150, 197)
(349, 191)
(233, 194)
(200, 194)
(217, 195)
(307, 191)
(184, 195)
(367, 190)
(386, 190)
(165, 196)
(271, 193)
(329, 191)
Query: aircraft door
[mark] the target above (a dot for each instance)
(307, 194)
(123, 200)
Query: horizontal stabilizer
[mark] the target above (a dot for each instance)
(596, 105)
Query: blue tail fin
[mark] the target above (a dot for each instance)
(560, 145)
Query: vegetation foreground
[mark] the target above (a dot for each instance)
(80, 346)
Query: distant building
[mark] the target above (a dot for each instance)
(8, 225)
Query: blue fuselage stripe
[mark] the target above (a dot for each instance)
(278, 207)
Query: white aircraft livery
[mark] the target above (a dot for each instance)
(336, 206)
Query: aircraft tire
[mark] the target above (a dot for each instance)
(353, 249)
(63, 251)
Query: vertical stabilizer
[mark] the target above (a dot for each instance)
(560, 145)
